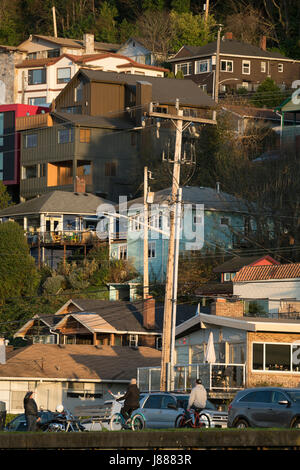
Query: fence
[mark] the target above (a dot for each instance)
(215, 377)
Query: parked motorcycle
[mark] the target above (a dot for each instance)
(63, 421)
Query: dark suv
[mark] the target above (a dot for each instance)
(265, 407)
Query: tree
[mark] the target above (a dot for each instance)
(268, 95)
(191, 29)
(18, 273)
(5, 198)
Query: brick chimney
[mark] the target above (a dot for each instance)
(263, 43)
(149, 313)
(228, 35)
(79, 185)
(222, 308)
(89, 44)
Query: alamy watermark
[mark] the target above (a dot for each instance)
(129, 219)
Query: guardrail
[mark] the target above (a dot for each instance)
(215, 377)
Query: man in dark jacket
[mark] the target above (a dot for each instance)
(131, 399)
(31, 412)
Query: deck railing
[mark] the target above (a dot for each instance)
(215, 377)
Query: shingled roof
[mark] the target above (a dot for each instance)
(80, 362)
(267, 273)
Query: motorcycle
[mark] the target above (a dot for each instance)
(64, 422)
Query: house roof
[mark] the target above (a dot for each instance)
(76, 43)
(58, 202)
(229, 47)
(258, 113)
(79, 362)
(212, 199)
(238, 262)
(243, 323)
(102, 122)
(267, 273)
(164, 90)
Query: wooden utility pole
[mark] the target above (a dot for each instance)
(206, 11)
(146, 218)
(217, 72)
(54, 22)
(169, 322)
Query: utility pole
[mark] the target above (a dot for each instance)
(206, 12)
(146, 218)
(169, 322)
(217, 72)
(54, 21)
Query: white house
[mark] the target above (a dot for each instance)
(275, 287)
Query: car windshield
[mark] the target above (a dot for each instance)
(295, 396)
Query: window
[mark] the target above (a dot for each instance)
(226, 66)
(246, 67)
(37, 101)
(1, 166)
(133, 341)
(85, 135)
(53, 53)
(110, 169)
(30, 140)
(29, 171)
(154, 401)
(78, 92)
(42, 170)
(257, 397)
(36, 76)
(228, 277)
(202, 66)
(63, 75)
(135, 225)
(198, 219)
(123, 252)
(280, 67)
(277, 357)
(224, 221)
(167, 400)
(263, 67)
(65, 135)
(151, 250)
(72, 109)
(253, 307)
(31, 55)
(185, 68)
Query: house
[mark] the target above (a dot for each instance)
(41, 80)
(101, 132)
(212, 220)
(241, 65)
(70, 374)
(252, 350)
(136, 50)
(274, 288)
(54, 220)
(10, 114)
(289, 112)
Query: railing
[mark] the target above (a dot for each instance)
(62, 237)
(215, 377)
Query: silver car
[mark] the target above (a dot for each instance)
(161, 410)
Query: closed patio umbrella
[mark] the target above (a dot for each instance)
(210, 354)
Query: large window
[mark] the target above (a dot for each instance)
(37, 101)
(36, 76)
(63, 75)
(65, 135)
(185, 68)
(202, 66)
(226, 66)
(276, 357)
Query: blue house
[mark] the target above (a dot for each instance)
(211, 220)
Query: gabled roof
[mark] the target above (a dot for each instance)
(57, 202)
(268, 273)
(238, 262)
(79, 362)
(75, 43)
(229, 47)
(164, 90)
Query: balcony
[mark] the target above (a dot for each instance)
(216, 377)
(66, 237)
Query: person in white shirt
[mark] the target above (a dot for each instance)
(197, 399)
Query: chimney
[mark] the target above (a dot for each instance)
(149, 313)
(79, 185)
(263, 43)
(2, 351)
(143, 99)
(228, 36)
(222, 308)
(88, 42)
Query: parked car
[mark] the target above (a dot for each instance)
(161, 410)
(19, 422)
(265, 407)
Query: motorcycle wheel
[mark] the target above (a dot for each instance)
(54, 427)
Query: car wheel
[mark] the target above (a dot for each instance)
(296, 423)
(241, 423)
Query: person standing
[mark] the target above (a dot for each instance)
(131, 399)
(31, 412)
